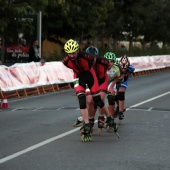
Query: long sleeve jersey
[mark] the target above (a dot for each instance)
(83, 62)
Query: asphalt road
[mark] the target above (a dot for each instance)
(36, 133)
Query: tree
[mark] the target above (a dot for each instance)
(74, 18)
(11, 13)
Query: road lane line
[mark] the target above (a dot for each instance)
(150, 109)
(37, 145)
(60, 108)
(5, 159)
(153, 98)
(37, 108)
(17, 109)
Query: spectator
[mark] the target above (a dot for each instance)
(34, 51)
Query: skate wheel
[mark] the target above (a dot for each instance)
(92, 130)
(105, 125)
(75, 124)
(99, 131)
(86, 138)
(81, 130)
(90, 137)
(83, 139)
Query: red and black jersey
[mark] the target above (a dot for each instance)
(83, 62)
(101, 67)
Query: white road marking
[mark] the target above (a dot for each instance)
(17, 109)
(150, 109)
(60, 108)
(37, 145)
(154, 98)
(5, 159)
(37, 108)
(147, 110)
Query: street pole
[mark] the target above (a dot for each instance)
(39, 31)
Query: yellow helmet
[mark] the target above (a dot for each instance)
(71, 46)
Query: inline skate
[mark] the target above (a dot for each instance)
(110, 123)
(86, 134)
(101, 120)
(78, 121)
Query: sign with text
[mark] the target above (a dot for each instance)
(16, 48)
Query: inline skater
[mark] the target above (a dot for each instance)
(113, 75)
(101, 67)
(93, 51)
(125, 70)
(82, 65)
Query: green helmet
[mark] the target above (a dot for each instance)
(117, 63)
(110, 56)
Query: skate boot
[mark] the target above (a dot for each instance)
(110, 123)
(101, 120)
(121, 117)
(91, 121)
(116, 112)
(78, 121)
(86, 133)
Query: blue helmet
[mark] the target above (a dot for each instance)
(93, 51)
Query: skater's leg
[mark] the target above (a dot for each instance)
(90, 106)
(98, 101)
(121, 97)
(111, 102)
(91, 110)
(83, 108)
(103, 111)
(117, 105)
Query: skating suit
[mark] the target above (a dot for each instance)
(83, 72)
(113, 73)
(100, 68)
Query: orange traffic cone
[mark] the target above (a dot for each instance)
(4, 103)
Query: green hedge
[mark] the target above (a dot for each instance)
(119, 52)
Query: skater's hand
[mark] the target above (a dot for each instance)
(111, 90)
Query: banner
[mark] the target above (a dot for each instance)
(28, 75)
(150, 62)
